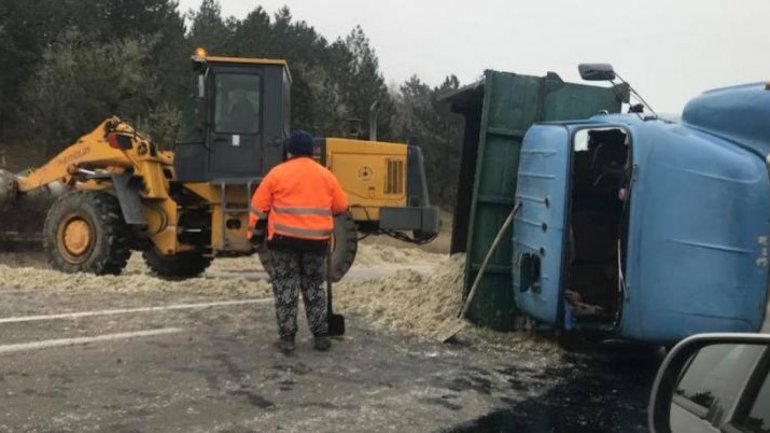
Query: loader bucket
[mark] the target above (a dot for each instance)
(8, 187)
(22, 215)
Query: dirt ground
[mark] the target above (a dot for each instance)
(216, 370)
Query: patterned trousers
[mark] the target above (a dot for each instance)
(294, 273)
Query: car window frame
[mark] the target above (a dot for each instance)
(759, 376)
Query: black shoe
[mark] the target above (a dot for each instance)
(322, 344)
(285, 345)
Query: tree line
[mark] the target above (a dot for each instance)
(67, 64)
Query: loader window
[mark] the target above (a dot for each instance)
(190, 130)
(238, 102)
(286, 104)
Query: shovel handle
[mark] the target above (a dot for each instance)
(472, 293)
(329, 308)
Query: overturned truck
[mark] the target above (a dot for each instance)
(646, 228)
(628, 225)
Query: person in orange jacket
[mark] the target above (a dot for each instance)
(301, 198)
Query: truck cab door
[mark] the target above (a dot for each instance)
(236, 121)
(539, 233)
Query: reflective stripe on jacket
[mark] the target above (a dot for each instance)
(301, 197)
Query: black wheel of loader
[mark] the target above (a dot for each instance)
(176, 267)
(344, 247)
(84, 231)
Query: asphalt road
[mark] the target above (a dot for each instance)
(112, 362)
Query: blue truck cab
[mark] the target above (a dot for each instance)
(648, 229)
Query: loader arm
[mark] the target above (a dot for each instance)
(112, 158)
(108, 148)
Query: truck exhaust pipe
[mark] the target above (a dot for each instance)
(374, 110)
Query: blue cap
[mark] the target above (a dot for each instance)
(300, 143)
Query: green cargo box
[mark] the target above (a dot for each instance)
(498, 111)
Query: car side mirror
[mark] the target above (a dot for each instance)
(713, 382)
(596, 71)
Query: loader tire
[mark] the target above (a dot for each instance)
(84, 231)
(176, 267)
(344, 244)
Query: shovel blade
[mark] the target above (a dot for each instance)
(336, 325)
(450, 333)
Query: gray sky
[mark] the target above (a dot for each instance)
(670, 50)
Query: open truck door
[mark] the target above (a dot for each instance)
(539, 227)
(570, 234)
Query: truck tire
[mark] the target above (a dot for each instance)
(176, 267)
(84, 231)
(344, 242)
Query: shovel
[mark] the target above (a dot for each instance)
(336, 321)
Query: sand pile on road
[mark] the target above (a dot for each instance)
(414, 302)
(23, 259)
(234, 266)
(385, 255)
(408, 300)
(425, 305)
(226, 276)
(368, 255)
(135, 279)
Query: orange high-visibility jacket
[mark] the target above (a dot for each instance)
(301, 196)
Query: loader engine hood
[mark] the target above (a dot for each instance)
(739, 113)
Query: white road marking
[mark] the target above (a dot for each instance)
(80, 314)
(23, 347)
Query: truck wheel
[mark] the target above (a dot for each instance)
(344, 244)
(84, 231)
(176, 267)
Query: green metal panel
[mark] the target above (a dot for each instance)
(511, 104)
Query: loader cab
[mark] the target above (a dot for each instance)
(236, 119)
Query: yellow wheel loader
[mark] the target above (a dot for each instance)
(114, 191)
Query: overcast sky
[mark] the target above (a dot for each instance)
(670, 50)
